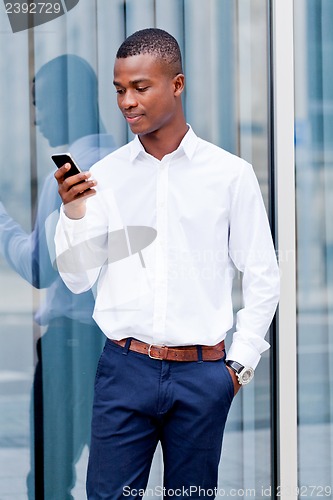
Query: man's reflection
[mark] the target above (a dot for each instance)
(65, 96)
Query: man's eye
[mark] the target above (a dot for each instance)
(142, 89)
(120, 91)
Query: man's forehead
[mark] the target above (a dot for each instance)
(142, 64)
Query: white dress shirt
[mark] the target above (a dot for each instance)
(161, 239)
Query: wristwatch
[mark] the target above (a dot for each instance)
(244, 373)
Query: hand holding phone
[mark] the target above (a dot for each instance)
(63, 158)
(74, 191)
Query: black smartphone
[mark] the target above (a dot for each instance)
(62, 158)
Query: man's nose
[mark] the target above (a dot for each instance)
(129, 100)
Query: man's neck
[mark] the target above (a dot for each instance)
(160, 143)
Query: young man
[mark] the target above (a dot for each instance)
(159, 224)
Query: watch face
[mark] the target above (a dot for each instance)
(246, 375)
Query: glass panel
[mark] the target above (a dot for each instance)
(49, 343)
(247, 445)
(59, 76)
(314, 189)
(16, 297)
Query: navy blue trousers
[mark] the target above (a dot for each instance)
(140, 401)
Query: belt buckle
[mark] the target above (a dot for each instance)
(158, 347)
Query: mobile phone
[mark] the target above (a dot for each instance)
(61, 158)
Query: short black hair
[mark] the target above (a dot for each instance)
(156, 42)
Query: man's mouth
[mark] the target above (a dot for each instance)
(132, 118)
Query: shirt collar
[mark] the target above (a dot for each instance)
(188, 145)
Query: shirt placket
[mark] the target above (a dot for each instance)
(161, 264)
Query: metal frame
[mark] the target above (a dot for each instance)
(284, 168)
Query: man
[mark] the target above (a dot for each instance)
(159, 224)
(69, 349)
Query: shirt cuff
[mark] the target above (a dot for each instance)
(245, 354)
(71, 222)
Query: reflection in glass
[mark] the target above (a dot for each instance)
(65, 98)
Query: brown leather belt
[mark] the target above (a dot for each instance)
(182, 353)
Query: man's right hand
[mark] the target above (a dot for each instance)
(74, 191)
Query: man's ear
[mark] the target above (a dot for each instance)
(179, 84)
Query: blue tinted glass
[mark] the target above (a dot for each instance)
(56, 83)
(314, 189)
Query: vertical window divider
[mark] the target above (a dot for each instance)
(284, 168)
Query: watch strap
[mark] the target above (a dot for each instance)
(236, 367)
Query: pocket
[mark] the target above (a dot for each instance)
(231, 382)
(100, 364)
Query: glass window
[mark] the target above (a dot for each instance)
(247, 461)
(56, 83)
(314, 190)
